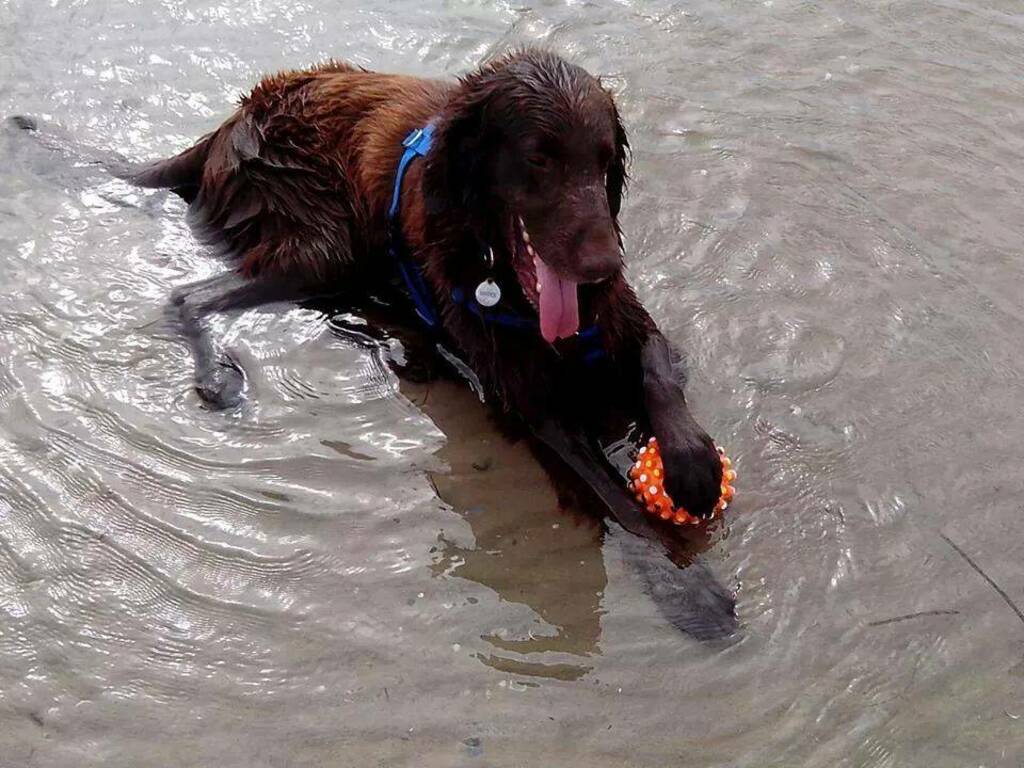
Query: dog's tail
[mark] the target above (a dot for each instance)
(182, 173)
(23, 122)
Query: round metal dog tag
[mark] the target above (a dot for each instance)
(488, 293)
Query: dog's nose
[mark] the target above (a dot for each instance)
(598, 255)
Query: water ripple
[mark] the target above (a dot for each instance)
(823, 214)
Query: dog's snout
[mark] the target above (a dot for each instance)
(597, 253)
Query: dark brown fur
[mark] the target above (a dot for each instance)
(295, 187)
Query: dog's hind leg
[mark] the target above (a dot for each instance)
(219, 379)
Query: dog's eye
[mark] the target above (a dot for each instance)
(538, 161)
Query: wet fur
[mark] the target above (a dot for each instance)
(294, 188)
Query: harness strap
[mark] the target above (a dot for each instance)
(507, 319)
(417, 144)
(591, 348)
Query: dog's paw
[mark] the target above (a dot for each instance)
(693, 470)
(221, 386)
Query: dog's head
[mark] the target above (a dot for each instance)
(531, 153)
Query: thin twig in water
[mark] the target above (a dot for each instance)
(882, 622)
(985, 576)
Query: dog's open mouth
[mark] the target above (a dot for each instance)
(552, 295)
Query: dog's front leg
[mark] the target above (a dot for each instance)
(693, 471)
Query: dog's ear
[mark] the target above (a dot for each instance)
(615, 181)
(459, 167)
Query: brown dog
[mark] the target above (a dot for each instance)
(520, 188)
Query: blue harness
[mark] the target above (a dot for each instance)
(417, 144)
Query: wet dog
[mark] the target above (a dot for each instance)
(490, 206)
(517, 192)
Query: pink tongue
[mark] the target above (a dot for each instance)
(559, 310)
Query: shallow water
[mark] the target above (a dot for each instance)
(825, 214)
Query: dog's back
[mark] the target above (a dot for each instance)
(295, 182)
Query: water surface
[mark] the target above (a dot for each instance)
(825, 213)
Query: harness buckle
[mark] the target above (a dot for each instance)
(409, 141)
(419, 140)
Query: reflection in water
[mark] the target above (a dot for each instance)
(532, 544)
(524, 549)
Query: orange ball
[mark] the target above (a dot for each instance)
(647, 481)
